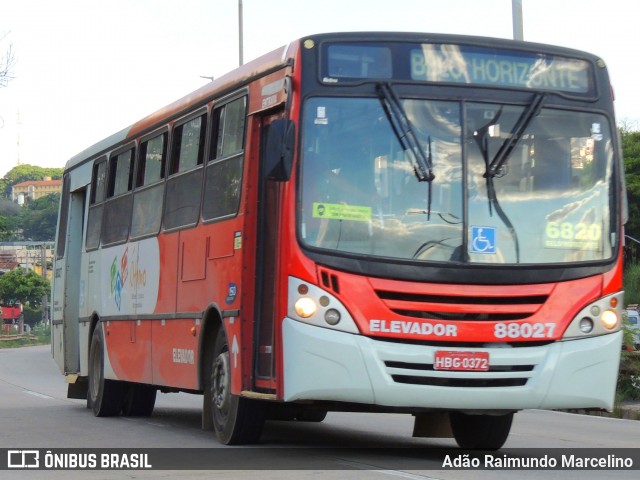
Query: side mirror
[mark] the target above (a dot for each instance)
(278, 159)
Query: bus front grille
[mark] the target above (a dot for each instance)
(449, 305)
(460, 382)
(425, 374)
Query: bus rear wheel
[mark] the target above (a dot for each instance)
(104, 396)
(139, 400)
(236, 420)
(486, 432)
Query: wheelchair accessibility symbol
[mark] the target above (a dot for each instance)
(483, 240)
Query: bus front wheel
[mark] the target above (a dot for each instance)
(236, 420)
(487, 432)
(104, 396)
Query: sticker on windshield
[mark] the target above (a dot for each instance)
(573, 236)
(483, 240)
(596, 132)
(340, 211)
(321, 116)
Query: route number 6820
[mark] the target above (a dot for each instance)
(570, 231)
(523, 330)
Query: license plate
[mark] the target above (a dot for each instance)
(461, 361)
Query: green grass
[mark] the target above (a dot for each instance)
(39, 335)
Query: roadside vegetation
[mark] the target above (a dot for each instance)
(39, 335)
(36, 219)
(629, 378)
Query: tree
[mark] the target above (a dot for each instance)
(631, 154)
(40, 217)
(23, 286)
(10, 215)
(7, 61)
(36, 220)
(4, 229)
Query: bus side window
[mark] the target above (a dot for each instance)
(149, 193)
(184, 186)
(98, 194)
(223, 181)
(188, 145)
(117, 207)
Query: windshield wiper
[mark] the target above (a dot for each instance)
(521, 125)
(494, 167)
(422, 163)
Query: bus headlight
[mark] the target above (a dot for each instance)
(609, 319)
(332, 316)
(601, 317)
(586, 325)
(316, 306)
(305, 307)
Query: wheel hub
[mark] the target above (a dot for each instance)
(221, 383)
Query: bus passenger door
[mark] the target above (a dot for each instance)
(267, 271)
(66, 292)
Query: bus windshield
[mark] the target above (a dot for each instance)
(510, 185)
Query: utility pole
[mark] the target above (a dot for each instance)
(516, 10)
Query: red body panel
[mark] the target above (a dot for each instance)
(132, 342)
(175, 353)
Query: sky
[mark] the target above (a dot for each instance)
(88, 68)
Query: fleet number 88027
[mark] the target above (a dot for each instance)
(523, 330)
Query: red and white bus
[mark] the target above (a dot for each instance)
(414, 223)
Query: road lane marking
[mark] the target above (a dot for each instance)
(40, 395)
(376, 469)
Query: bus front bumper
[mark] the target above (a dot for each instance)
(324, 364)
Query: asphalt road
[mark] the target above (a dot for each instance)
(35, 413)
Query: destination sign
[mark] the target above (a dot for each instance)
(461, 64)
(482, 66)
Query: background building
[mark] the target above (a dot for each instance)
(34, 189)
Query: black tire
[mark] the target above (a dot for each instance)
(104, 396)
(485, 432)
(311, 415)
(281, 412)
(139, 400)
(236, 420)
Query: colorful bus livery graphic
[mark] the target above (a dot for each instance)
(118, 277)
(132, 277)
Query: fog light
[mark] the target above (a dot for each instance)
(586, 325)
(332, 316)
(305, 307)
(609, 319)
